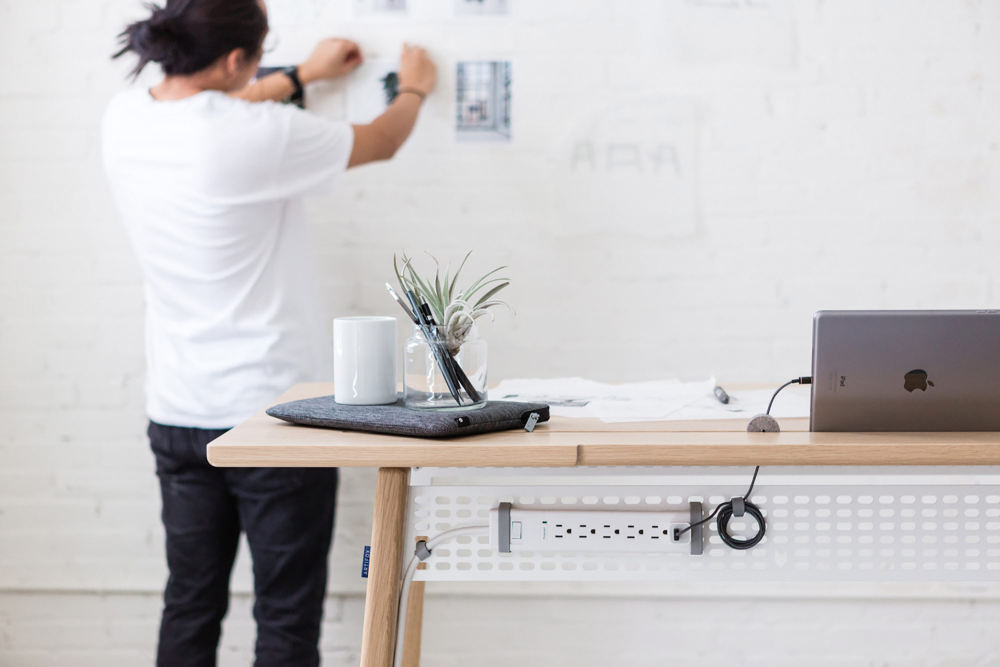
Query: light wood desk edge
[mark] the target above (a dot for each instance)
(562, 442)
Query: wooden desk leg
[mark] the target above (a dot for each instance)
(385, 567)
(414, 624)
(414, 619)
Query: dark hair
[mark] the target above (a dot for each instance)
(186, 36)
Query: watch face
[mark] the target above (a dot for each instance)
(298, 98)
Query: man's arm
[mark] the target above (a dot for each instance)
(330, 59)
(381, 138)
(275, 87)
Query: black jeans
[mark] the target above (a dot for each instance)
(287, 514)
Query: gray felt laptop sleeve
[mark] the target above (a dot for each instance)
(396, 419)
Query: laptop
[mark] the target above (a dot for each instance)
(906, 370)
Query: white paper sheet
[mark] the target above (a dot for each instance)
(659, 400)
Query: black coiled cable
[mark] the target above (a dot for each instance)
(725, 511)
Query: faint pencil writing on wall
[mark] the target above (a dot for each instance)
(621, 155)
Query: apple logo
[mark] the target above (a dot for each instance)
(916, 379)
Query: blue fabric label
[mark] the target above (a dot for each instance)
(364, 562)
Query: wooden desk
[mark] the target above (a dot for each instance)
(264, 441)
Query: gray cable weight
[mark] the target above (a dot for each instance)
(763, 423)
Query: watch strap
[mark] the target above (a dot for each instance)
(293, 75)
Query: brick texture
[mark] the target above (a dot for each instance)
(706, 172)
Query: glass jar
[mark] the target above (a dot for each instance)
(424, 386)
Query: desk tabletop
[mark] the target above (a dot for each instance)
(563, 442)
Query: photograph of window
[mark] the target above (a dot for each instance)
(482, 101)
(373, 87)
(478, 7)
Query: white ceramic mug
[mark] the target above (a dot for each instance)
(364, 360)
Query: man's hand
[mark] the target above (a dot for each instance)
(416, 71)
(330, 59)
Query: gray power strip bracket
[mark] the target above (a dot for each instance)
(697, 534)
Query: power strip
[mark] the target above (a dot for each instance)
(514, 529)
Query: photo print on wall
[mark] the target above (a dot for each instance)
(480, 7)
(374, 85)
(482, 100)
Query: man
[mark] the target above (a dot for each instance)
(208, 176)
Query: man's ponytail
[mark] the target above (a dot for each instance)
(186, 36)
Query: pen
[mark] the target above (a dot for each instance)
(428, 315)
(436, 348)
(402, 305)
(721, 394)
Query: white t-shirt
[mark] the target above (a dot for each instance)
(209, 189)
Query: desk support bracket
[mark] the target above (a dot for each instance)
(697, 534)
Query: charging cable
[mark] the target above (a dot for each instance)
(422, 552)
(741, 505)
(805, 379)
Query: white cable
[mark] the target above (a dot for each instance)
(410, 571)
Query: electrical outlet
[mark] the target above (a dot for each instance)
(586, 530)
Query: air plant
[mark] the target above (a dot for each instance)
(455, 310)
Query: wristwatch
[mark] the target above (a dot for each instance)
(299, 96)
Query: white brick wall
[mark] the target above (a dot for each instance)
(829, 154)
(114, 630)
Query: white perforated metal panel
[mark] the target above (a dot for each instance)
(822, 523)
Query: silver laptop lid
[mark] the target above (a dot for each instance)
(906, 370)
